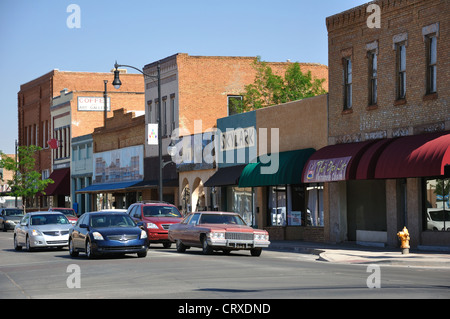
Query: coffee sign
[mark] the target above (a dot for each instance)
(86, 103)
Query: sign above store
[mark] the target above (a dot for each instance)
(93, 103)
(327, 170)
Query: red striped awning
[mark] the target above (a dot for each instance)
(422, 155)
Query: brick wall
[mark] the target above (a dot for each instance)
(35, 99)
(122, 130)
(349, 35)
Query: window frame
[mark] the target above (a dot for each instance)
(348, 82)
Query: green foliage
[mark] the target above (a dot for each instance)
(271, 89)
(26, 182)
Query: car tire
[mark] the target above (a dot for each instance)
(256, 252)
(89, 252)
(142, 255)
(207, 249)
(28, 244)
(181, 248)
(167, 245)
(72, 251)
(16, 245)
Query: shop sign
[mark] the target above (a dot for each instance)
(89, 103)
(237, 138)
(327, 170)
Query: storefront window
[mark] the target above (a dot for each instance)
(277, 205)
(437, 210)
(240, 200)
(315, 205)
(296, 205)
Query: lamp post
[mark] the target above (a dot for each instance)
(117, 83)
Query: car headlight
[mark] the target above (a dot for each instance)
(217, 235)
(151, 225)
(97, 235)
(10, 222)
(36, 232)
(261, 237)
(143, 234)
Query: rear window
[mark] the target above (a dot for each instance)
(161, 211)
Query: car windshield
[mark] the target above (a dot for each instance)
(49, 219)
(439, 216)
(68, 212)
(221, 219)
(111, 220)
(161, 211)
(13, 212)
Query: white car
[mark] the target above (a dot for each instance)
(42, 230)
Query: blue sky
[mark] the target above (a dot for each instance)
(35, 38)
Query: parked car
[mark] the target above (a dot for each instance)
(438, 219)
(98, 233)
(218, 231)
(42, 230)
(156, 218)
(69, 212)
(10, 217)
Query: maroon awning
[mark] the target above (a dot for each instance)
(367, 164)
(335, 162)
(61, 185)
(415, 156)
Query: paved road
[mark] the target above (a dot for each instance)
(164, 273)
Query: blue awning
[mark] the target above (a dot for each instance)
(99, 188)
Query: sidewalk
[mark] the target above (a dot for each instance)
(350, 253)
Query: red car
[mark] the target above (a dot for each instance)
(156, 217)
(218, 231)
(69, 212)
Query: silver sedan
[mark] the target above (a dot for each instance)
(41, 230)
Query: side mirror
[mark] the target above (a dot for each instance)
(84, 226)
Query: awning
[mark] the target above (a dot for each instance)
(226, 176)
(61, 185)
(369, 160)
(154, 184)
(415, 156)
(335, 162)
(289, 171)
(108, 188)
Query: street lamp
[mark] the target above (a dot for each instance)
(117, 83)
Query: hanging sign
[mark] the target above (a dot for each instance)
(152, 134)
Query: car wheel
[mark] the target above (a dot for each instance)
(167, 245)
(181, 248)
(28, 244)
(4, 227)
(72, 251)
(207, 249)
(142, 255)
(256, 252)
(89, 252)
(16, 245)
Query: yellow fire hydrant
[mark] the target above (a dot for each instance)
(404, 238)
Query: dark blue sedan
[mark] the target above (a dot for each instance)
(100, 233)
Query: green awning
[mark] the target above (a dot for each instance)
(290, 168)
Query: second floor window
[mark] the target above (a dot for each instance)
(347, 83)
(431, 43)
(373, 78)
(401, 71)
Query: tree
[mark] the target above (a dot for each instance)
(271, 89)
(26, 182)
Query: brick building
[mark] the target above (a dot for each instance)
(36, 125)
(196, 91)
(117, 159)
(389, 123)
